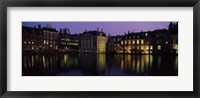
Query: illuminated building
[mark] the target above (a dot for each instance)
(68, 42)
(39, 39)
(31, 38)
(117, 41)
(150, 42)
(50, 38)
(92, 42)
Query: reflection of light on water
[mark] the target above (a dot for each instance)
(36, 58)
(133, 63)
(43, 60)
(138, 65)
(129, 61)
(25, 61)
(159, 61)
(176, 62)
(142, 63)
(147, 62)
(51, 61)
(29, 61)
(150, 61)
(65, 58)
(101, 62)
(122, 64)
(32, 60)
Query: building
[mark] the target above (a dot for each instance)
(67, 42)
(92, 41)
(150, 42)
(50, 38)
(31, 39)
(39, 39)
(117, 40)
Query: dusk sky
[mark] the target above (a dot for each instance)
(112, 28)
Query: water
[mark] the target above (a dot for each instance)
(99, 65)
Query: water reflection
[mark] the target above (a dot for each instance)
(99, 65)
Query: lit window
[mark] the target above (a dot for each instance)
(166, 42)
(44, 42)
(138, 41)
(32, 42)
(129, 42)
(24, 42)
(138, 37)
(50, 45)
(122, 42)
(29, 42)
(147, 47)
(159, 47)
(176, 46)
(32, 48)
(133, 42)
(138, 47)
(142, 41)
(47, 42)
(146, 34)
(142, 47)
(151, 47)
(125, 42)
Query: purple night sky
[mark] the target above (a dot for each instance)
(112, 28)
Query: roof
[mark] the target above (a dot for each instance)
(26, 29)
(94, 33)
(49, 29)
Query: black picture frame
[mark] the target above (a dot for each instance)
(100, 3)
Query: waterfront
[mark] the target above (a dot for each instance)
(99, 65)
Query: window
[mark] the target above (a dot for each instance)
(44, 41)
(176, 46)
(138, 48)
(146, 34)
(159, 47)
(138, 41)
(147, 47)
(133, 42)
(121, 42)
(129, 42)
(142, 41)
(142, 47)
(151, 47)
